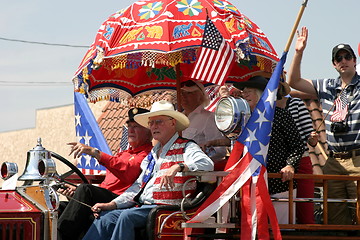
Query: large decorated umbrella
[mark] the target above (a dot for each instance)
(150, 45)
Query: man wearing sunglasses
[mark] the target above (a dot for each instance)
(340, 99)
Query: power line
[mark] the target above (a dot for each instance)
(43, 43)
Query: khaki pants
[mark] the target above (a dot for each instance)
(342, 213)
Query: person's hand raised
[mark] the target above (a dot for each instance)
(301, 40)
(313, 139)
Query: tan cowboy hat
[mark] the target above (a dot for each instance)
(163, 108)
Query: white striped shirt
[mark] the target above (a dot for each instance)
(301, 117)
(328, 90)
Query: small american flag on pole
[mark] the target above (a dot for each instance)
(215, 57)
(213, 93)
(341, 108)
(124, 144)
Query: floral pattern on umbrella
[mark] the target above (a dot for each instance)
(136, 49)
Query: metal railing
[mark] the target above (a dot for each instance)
(321, 181)
(323, 227)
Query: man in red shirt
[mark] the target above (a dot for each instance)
(122, 171)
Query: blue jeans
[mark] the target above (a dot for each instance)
(119, 224)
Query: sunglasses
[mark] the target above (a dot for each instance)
(347, 57)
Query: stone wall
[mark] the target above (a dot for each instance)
(55, 126)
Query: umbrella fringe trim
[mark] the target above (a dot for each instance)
(148, 58)
(145, 99)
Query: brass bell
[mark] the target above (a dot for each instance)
(34, 157)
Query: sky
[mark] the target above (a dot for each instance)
(24, 65)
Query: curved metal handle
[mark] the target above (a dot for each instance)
(184, 189)
(182, 206)
(186, 197)
(182, 211)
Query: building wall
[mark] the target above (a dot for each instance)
(55, 126)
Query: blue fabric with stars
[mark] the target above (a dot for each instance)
(149, 169)
(88, 133)
(257, 132)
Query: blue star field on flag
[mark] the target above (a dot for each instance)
(88, 133)
(257, 132)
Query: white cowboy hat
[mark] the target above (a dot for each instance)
(163, 108)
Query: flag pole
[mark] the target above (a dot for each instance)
(272, 217)
(287, 47)
(296, 24)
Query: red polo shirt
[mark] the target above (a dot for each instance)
(123, 169)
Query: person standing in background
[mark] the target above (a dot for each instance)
(340, 100)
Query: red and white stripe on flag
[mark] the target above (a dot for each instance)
(340, 112)
(215, 57)
(92, 171)
(256, 206)
(213, 93)
(214, 65)
(256, 209)
(212, 105)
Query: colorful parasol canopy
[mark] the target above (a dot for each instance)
(136, 49)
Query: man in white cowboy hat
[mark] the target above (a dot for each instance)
(171, 156)
(202, 128)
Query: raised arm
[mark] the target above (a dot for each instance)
(294, 76)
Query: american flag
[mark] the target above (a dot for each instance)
(88, 133)
(215, 57)
(215, 97)
(248, 172)
(341, 108)
(213, 93)
(124, 144)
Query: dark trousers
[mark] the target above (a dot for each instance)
(76, 219)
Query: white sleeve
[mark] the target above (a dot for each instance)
(195, 159)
